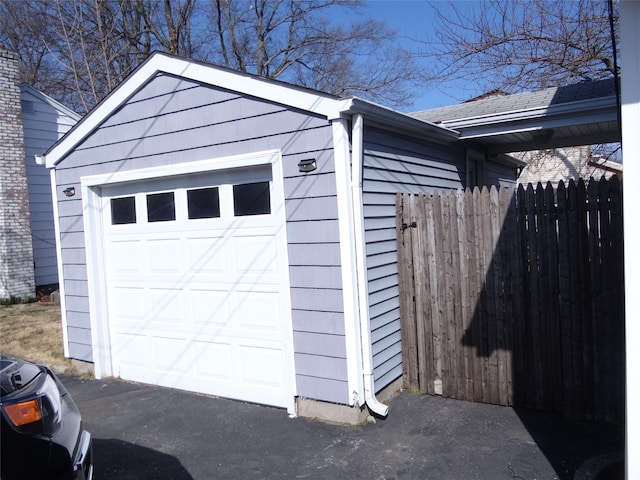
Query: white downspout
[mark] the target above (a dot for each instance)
(361, 267)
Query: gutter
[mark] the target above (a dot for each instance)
(389, 119)
(363, 294)
(591, 106)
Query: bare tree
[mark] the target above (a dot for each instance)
(298, 41)
(510, 46)
(79, 50)
(518, 45)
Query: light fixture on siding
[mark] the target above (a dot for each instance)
(69, 191)
(307, 165)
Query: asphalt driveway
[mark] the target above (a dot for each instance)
(145, 432)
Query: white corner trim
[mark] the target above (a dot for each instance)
(94, 249)
(630, 82)
(61, 289)
(208, 74)
(348, 261)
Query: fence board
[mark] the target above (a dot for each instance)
(432, 329)
(420, 289)
(406, 284)
(470, 294)
(552, 308)
(564, 287)
(515, 297)
(479, 370)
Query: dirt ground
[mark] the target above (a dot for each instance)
(34, 331)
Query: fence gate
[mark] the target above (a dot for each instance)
(516, 296)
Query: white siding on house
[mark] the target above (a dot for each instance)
(44, 122)
(568, 163)
(392, 164)
(171, 120)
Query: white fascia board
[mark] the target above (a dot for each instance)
(394, 120)
(532, 124)
(598, 106)
(270, 90)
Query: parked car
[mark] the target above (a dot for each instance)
(41, 431)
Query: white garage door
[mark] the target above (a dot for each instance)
(196, 282)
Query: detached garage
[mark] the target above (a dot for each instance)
(226, 234)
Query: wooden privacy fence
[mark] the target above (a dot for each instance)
(515, 296)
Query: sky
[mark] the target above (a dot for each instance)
(413, 20)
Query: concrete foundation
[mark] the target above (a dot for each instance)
(343, 414)
(83, 368)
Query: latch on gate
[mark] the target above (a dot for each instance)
(404, 226)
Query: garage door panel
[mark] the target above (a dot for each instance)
(213, 359)
(125, 257)
(259, 311)
(207, 255)
(171, 354)
(210, 308)
(164, 256)
(127, 304)
(261, 366)
(131, 350)
(167, 306)
(256, 255)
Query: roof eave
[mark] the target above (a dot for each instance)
(390, 119)
(53, 103)
(597, 107)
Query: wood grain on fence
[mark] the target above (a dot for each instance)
(515, 296)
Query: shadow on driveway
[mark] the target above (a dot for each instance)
(147, 432)
(119, 460)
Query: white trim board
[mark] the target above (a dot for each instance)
(95, 248)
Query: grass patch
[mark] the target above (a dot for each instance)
(34, 331)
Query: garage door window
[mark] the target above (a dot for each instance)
(203, 203)
(161, 207)
(251, 199)
(123, 210)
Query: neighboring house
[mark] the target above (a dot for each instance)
(30, 122)
(541, 146)
(44, 121)
(567, 163)
(236, 236)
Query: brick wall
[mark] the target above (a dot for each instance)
(16, 251)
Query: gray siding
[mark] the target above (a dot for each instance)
(43, 125)
(392, 164)
(172, 120)
(499, 174)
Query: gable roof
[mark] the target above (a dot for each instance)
(63, 110)
(579, 114)
(313, 101)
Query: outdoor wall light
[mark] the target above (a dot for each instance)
(307, 165)
(69, 191)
